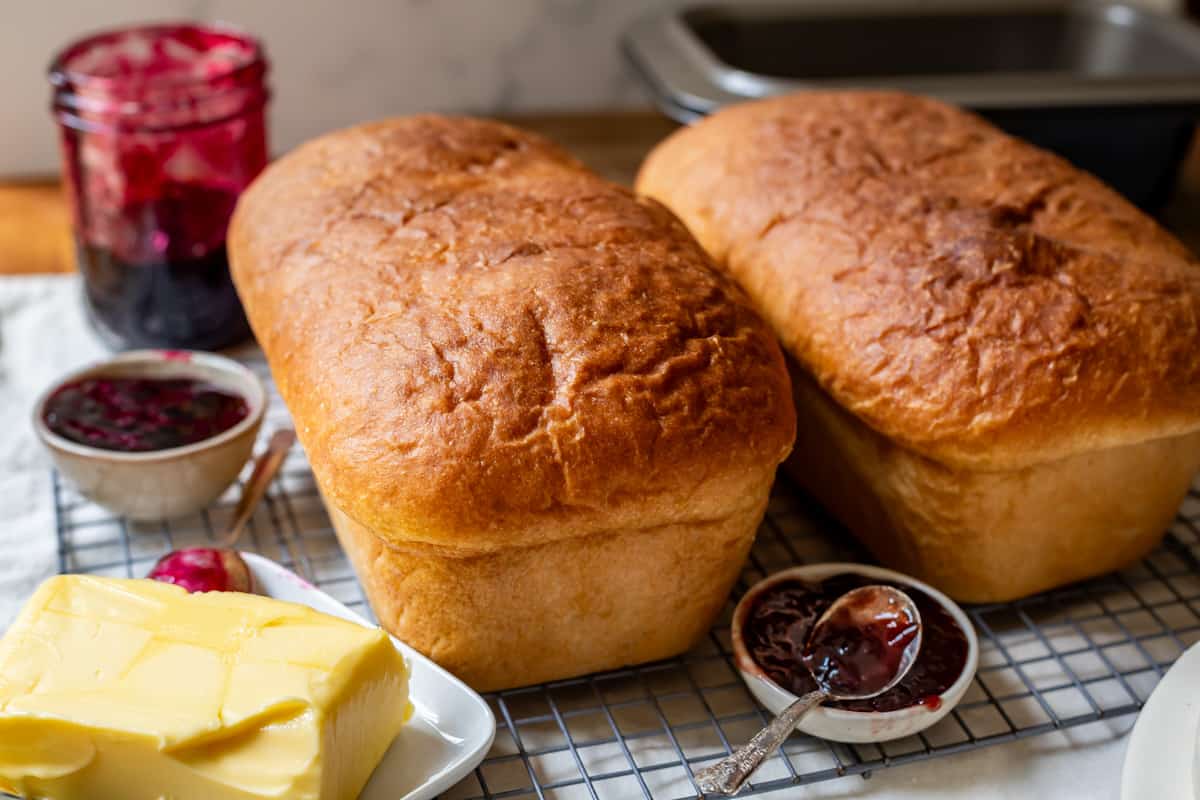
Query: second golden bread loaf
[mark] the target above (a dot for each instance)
(979, 309)
(545, 424)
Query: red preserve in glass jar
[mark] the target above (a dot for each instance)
(162, 128)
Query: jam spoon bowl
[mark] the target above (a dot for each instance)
(839, 724)
(860, 647)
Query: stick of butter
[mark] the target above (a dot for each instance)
(136, 690)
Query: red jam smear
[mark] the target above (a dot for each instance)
(859, 648)
(135, 415)
(204, 569)
(777, 626)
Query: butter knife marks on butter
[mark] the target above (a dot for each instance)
(114, 689)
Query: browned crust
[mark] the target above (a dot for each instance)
(962, 292)
(483, 344)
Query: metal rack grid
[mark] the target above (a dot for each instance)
(1087, 652)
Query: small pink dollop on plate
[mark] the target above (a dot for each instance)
(204, 569)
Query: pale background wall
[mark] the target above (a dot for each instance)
(342, 61)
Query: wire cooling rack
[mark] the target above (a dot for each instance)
(1084, 653)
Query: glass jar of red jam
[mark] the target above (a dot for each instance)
(162, 128)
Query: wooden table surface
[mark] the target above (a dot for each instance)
(35, 232)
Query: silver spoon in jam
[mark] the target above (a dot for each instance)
(862, 646)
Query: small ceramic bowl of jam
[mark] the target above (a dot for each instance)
(770, 627)
(153, 434)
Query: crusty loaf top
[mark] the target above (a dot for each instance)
(484, 344)
(963, 292)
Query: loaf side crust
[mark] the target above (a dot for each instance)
(985, 536)
(527, 615)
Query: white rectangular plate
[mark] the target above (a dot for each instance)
(451, 729)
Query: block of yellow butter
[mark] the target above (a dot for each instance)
(117, 689)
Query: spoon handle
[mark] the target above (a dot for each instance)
(264, 471)
(730, 774)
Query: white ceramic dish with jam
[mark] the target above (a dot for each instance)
(836, 724)
(165, 483)
(451, 729)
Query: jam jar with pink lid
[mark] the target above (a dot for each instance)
(162, 128)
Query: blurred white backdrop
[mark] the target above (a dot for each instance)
(336, 62)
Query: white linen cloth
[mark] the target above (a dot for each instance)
(43, 334)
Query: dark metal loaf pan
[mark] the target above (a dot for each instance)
(1112, 87)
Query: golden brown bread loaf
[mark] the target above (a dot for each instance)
(1006, 353)
(545, 426)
